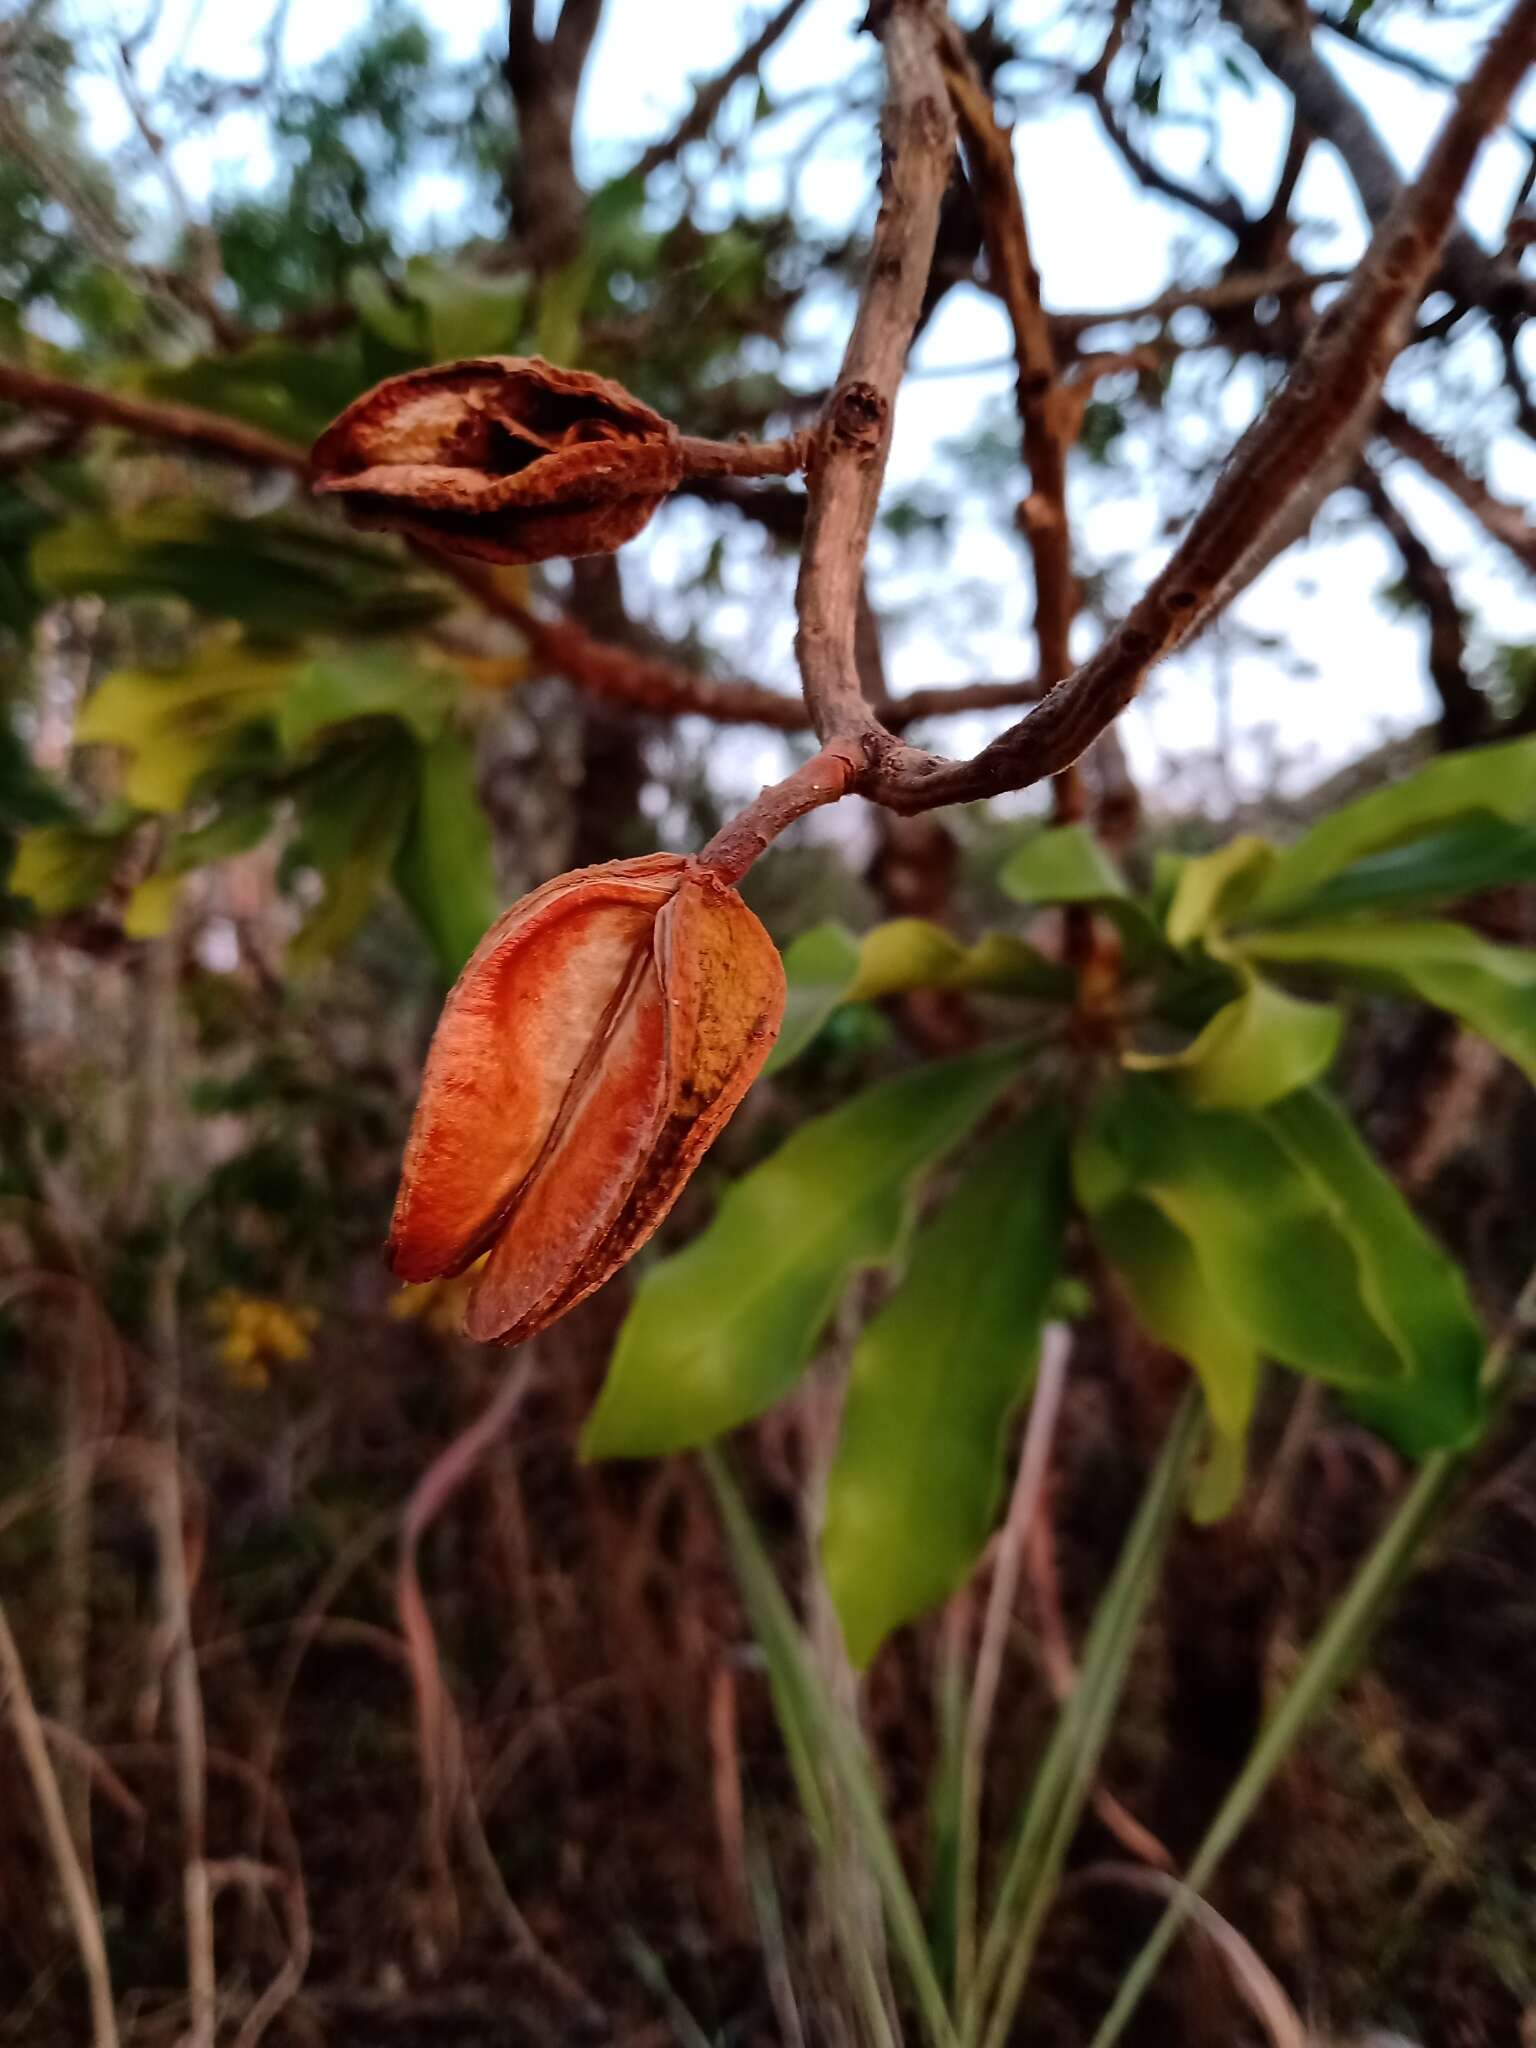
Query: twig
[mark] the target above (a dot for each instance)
(1464, 710)
(1503, 522)
(711, 96)
(157, 420)
(1023, 1507)
(854, 435)
(1337, 373)
(78, 1902)
(822, 780)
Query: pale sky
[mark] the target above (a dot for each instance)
(1098, 242)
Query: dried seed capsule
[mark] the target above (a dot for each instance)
(600, 1037)
(507, 458)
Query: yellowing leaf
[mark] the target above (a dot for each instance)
(177, 724)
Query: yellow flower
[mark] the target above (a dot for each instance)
(255, 1333)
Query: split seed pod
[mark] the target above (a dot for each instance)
(506, 458)
(598, 1040)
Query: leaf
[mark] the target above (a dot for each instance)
(1156, 1265)
(1210, 887)
(1482, 851)
(177, 724)
(936, 1378)
(363, 683)
(1255, 1049)
(1491, 988)
(827, 967)
(467, 314)
(1306, 1245)
(151, 907)
(723, 1328)
(444, 868)
(1478, 784)
(64, 867)
(283, 574)
(237, 828)
(354, 815)
(819, 968)
(1061, 864)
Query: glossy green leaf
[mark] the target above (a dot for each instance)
(1491, 988)
(1212, 886)
(1304, 1243)
(177, 724)
(819, 970)
(1255, 1049)
(363, 683)
(827, 967)
(1479, 782)
(722, 1329)
(1412, 1289)
(355, 812)
(936, 1378)
(444, 868)
(1061, 864)
(1482, 851)
(1175, 1303)
(282, 575)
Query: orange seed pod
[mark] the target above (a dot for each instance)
(598, 1040)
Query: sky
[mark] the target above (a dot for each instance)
(1099, 242)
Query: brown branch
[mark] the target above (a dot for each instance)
(1338, 372)
(823, 779)
(711, 96)
(1281, 41)
(1503, 522)
(1227, 294)
(854, 435)
(209, 432)
(1463, 707)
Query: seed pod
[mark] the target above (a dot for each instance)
(506, 458)
(599, 1038)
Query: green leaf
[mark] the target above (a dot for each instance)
(1478, 852)
(444, 868)
(177, 724)
(151, 906)
(1477, 784)
(1210, 887)
(819, 970)
(64, 867)
(282, 575)
(722, 1329)
(1156, 1265)
(238, 827)
(1412, 1289)
(827, 966)
(1255, 1049)
(936, 1378)
(1491, 988)
(1061, 864)
(363, 683)
(467, 314)
(1304, 1243)
(354, 815)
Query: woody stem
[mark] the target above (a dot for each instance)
(821, 780)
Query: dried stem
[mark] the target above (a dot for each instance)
(823, 779)
(78, 1901)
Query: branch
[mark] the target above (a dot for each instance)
(1463, 707)
(854, 435)
(1273, 32)
(1503, 522)
(209, 432)
(1338, 372)
(709, 97)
